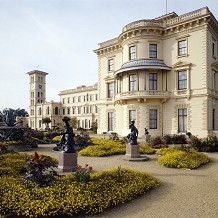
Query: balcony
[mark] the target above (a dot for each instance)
(145, 94)
(142, 23)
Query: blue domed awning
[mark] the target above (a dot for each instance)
(141, 64)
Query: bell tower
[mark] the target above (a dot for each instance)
(37, 93)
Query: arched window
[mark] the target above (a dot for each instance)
(40, 111)
(86, 124)
(56, 110)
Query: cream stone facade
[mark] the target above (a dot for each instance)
(79, 103)
(162, 73)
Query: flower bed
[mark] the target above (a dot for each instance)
(65, 197)
(176, 158)
(105, 147)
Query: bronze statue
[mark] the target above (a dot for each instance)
(134, 134)
(67, 139)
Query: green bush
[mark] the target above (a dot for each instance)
(12, 163)
(182, 159)
(145, 149)
(68, 198)
(40, 170)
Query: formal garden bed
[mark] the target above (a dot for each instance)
(105, 147)
(23, 194)
(181, 158)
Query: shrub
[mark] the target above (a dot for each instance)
(167, 139)
(145, 149)
(164, 151)
(67, 198)
(155, 141)
(179, 139)
(82, 174)
(12, 163)
(94, 127)
(39, 170)
(183, 159)
(104, 147)
(113, 136)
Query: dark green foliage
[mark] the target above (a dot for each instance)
(167, 139)
(94, 127)
(113, 136)
(40, 170)
(179, 139)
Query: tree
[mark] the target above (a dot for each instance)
(73, 122)
(8, 115)
(46, 121)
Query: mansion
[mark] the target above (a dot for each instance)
(162, 73)
(80, 102)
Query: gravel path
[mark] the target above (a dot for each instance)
(183, 193)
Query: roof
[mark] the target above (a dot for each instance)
(141, 64)
(37, 72)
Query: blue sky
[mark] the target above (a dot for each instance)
(59, 37)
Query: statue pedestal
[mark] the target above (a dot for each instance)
(67, 162)
(132, 151)
(145, 138)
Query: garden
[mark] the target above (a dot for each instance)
(34, 189)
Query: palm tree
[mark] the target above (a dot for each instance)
(46, 121)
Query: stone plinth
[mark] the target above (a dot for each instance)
(67, 162)
(133, 154)
(132, 151)
(145, 138)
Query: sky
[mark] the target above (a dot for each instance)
(59, 36)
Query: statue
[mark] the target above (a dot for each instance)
(67, 139)
(146, 131)
(134, 134)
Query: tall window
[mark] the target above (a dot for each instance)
(110, 90)
(86, 124)
(56, 110)
(68, 110)
(79, 98)
(63, 111)
(153, 119)
(79, 110)
(73, 110)
(182, 47)
(132, 52)
(132, 82)
(110, 64)
(152, 50)
(132, 115)
(73, 99)
(63, 100)
(110, 121)
(213, 121)
(213, 48)
(182, 79)
(182, 120)
(152, 81)
(40, 111)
